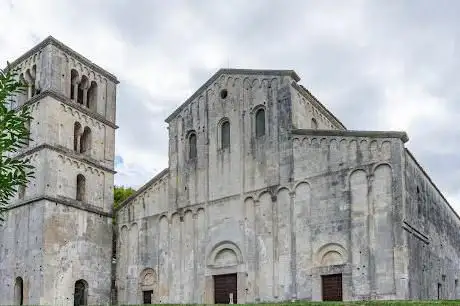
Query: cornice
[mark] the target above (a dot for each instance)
(64, 201)
(68, 153)
(371, 134)
(290, 73)
(61, 98)
(50, 40)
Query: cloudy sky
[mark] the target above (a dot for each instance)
(377, 65)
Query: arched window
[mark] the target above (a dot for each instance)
(76, 136)
(192, 152)
(92, 96)
(80, 296)
(81, 181)
(18, 291)
(85, 141)
(225, 134)
(260, 122)
(314, 124)
(82, 88)
(21, 192)
(73, 84)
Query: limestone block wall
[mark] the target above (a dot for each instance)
(219, 172)
(151, 200)
(431, 229)
(62, 182)
(76, 245)
(21, 253)
(58, 63)
(309, 114)
(353, 191)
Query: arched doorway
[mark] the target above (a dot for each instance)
(80, 296)
(225, 275)
(147, 285)
(18, 291)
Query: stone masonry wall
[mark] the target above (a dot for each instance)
(431, 229)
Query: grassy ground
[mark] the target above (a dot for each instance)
(361, 303)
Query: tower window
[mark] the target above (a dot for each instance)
(19, 291)
(81, 181)
(80, 296)
(192, 152)
(225, 134)
(85, 141)
(314, 124)
(73, 84)
(260, 122)
(76, 136)
(21, 192)
(92, 96)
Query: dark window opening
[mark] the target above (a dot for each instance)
(223, 93)
(80, 188)
(80, 296)
(92, 96)
(192, 153)
(76, 135)
(225, 133)
(85, 141)
(260, 123)
(19, 291)
(439, 291)
(314, 124)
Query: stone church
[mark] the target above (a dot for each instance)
(267, 197)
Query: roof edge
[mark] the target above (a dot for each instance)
(372, 134)
(221, 71)
(320, 105)
(142, 189)
(50, 40)
(431, 182)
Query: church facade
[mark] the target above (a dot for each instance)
(267, 197)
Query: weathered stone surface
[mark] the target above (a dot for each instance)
(280, 209)
(52, 239)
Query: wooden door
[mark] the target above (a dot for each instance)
(332, 287)
(147, 296)
(223, 286)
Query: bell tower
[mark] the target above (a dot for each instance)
(56, 245)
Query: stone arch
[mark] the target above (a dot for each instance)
(81, 188)
(148, 285)
(81, 292)
(379, 165)
(354, 171)
(225, 254)
(331, 254)
(260, 194)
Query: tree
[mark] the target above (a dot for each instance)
(121, 193)
(14, 134)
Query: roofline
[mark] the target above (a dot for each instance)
(50, 40)
(431, 182)
(308, 94)
(372, 134)
(221, 71)
(142, 189)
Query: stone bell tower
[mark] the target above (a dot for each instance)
(56, 245)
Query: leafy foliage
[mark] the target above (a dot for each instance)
(14, 134)
(121, 193)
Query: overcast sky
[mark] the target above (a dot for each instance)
(377, 65)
